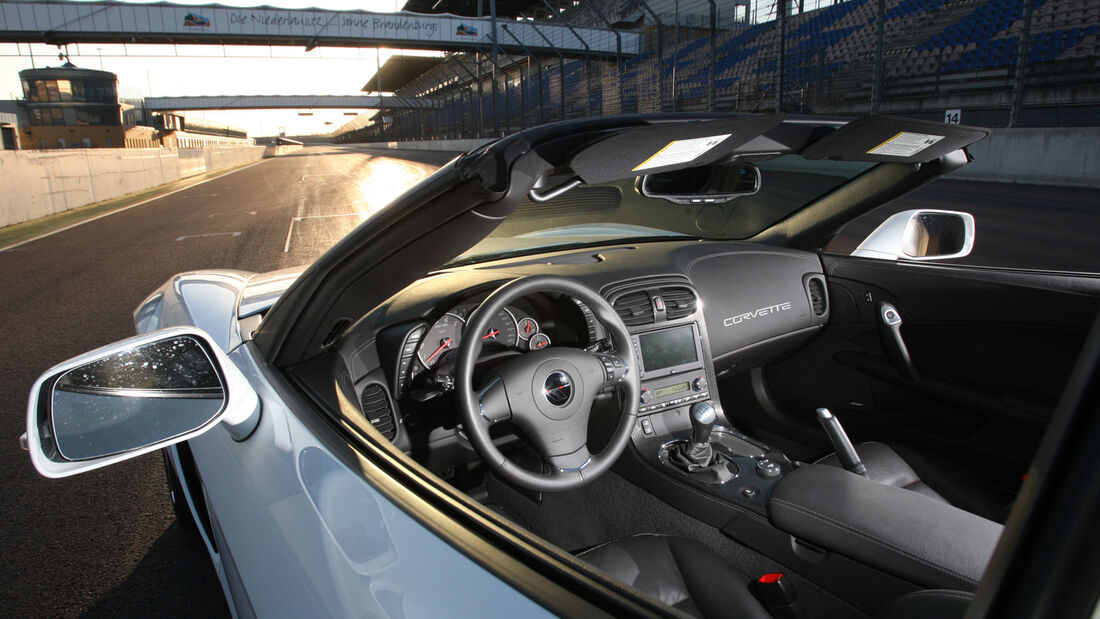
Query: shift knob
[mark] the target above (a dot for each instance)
(703, 417)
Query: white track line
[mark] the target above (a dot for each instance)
(125, 208)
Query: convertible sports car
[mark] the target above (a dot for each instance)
(598, 368)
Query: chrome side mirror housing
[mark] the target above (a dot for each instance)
(919, 235)
(132, 397)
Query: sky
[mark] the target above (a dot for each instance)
(166, 70)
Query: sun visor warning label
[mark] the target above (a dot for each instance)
(905, 144)
(681, 151)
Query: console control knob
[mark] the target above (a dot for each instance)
(646, 396)
(698, 384)
(768, 468)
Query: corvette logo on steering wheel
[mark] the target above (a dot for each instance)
(558, 388)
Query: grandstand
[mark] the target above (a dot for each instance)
(1003, 62)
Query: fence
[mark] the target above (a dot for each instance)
(1003, 63)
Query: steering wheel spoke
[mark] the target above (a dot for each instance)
(492, 401)
(571, 462)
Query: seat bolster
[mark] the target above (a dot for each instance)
(680, 572)
(939, 603)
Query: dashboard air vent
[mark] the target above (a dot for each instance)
(377, 409)
(817, 295)
(634, 308)
(679, 301)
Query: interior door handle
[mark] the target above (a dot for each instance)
(890, 325)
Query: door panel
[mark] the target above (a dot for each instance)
(992, 350)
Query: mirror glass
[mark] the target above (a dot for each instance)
(934, 234)
(133, 399)
(718, 182)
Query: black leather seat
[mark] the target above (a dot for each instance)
(689, 577)
(681, 573)
(939, 478)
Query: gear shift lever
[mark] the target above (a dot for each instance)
(696, 457)
(703, 417)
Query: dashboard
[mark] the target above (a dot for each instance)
(695, 310)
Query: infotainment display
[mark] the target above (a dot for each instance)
(668, 348)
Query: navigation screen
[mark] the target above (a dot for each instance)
(668, 348)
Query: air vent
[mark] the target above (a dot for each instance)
(816, 288)
(377, 409)
(679, 301)
(634, 308)
(338, 327)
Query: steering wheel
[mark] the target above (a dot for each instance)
(548, 393)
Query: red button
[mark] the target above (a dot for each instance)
(768, 579)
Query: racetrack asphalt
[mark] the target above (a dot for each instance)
(105, 544)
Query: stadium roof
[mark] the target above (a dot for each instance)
(469, 8)
(399, 71)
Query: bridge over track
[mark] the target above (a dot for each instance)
(58, 22)
(287, 102)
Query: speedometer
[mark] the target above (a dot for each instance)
(501, 331)
(444, 335)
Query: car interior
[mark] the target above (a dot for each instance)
(674, 384)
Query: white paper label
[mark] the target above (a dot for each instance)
(905, 144)
(681, 151)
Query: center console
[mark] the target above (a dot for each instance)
(682, 429)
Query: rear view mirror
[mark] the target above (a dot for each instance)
(920, 235)
(709, 184)
(132, 397)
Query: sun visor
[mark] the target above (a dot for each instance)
(893, 139)
(660, 148)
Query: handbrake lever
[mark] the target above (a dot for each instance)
(845, 452)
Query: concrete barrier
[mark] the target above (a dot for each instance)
(34, 184)
(1067, 156)
(447, 145)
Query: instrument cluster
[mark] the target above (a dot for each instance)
(510, 329)
(427, 357)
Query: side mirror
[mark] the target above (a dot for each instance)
(132, 397)
(920, 235)
(709, 184)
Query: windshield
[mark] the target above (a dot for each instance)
(617, 212)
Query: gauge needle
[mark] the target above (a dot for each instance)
(527, 327)
(444, 345)
(540, 344)
(493, 333)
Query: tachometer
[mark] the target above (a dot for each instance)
(444, 335)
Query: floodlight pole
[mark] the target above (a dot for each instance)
(781, 17)
(530, 55)
(660, 53)
(713, 52)
(880, 49)
(493, 57)
(618, 37)
(587, 51)
(480, 98)
(561, 66)
(1022, 52)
